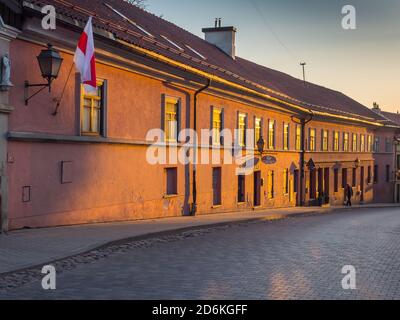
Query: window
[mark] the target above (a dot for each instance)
(129, 20)
(336, 141)
(271, 134)
(336, 180)
(345, 142)
(296, 180)
(271, 184)
(369, 143)
(172, 181)
(377, 144)
(312, 140)
(398, 162)
(196, 52)
(92, 112)
(355, 142)
(354, 177)
(387, 173)
(173, 43)
(257, 130)
(376, 174)
(242, 127)
(216, 126)
(298, 138)
(241, 188)
(369, 177)
(362, 143)
(388, 145)
(286, 136)
(217, 186)
(325, 137)
(171, 119)
(344, 178)
(286, 181)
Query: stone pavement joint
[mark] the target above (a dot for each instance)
(27, 249)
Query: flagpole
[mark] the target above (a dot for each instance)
(62, 94)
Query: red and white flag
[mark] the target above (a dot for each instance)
(85, 59)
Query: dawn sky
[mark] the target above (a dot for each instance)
(363, 63)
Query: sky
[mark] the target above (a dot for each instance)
(363, 63)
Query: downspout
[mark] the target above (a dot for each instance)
(195, 145)
(302, 158)
(303, 122)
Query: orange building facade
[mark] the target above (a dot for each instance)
(89, 161)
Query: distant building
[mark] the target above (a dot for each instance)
(87, 163)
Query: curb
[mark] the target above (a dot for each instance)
(151, 235)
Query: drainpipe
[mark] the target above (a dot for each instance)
(194, 208)
(302, 160)
(302, 122)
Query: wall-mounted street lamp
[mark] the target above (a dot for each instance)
(50, 62)
(261, 145)
(357, 163)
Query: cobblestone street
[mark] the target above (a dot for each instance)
(294, 258)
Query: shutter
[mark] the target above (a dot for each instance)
(104, 100)
(179, 119)
(163, 100)
(222, 126)
(78, 104)
(247, 128)
(211, 125)
(237, 130)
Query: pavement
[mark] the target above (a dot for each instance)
(297, 258)
(24, 249)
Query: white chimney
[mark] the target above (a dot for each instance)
(222, 37)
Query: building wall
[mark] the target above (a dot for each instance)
(60, 178)
(341, 160)
(384, 187)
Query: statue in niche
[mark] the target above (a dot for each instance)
(5, 72)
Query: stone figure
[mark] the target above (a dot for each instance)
(5, 71)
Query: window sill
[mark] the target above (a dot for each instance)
(170, 196)
(241, 203)
(91, 134)
(216, 206)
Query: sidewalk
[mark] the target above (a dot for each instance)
(27, 248)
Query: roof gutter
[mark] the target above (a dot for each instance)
(196, 94)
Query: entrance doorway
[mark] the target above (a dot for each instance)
(362, 182)
(326, 185)
(397, 200)
(313, 184)
(257, 188)
(320, 182)
(217, 187)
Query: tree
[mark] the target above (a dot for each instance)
(138, 3)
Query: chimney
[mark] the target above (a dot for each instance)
(222, 37)
(376, 108)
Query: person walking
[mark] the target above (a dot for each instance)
(349, 195)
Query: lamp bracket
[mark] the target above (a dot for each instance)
(28, 85)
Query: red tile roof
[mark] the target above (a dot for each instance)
(240, 71)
